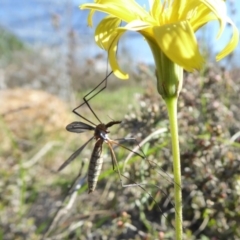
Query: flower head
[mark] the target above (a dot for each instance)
(169, 26)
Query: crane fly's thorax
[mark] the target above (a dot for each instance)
(101, 131)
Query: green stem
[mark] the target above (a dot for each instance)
(172, 113)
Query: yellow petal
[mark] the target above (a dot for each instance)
(232, 43)
(90, 15)
(113, 40)
(179, 44)
(203, 17)
(156, 10)
(126, 10)
(178, 9)
(219, 9)
(136, 25)
(104, 30)
(107, 36)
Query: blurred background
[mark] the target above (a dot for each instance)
(48, 62)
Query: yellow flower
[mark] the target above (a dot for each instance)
(169, 26)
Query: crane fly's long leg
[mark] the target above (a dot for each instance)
(98, 91)
(114, 160)
(74, 155)
(104, 80)
(167, 177)
(143, 156)
(132, 152)
(86, 100)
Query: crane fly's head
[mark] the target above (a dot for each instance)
(101, 131)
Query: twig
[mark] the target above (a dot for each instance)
(235, 137)
(40, 154)
(72, 194)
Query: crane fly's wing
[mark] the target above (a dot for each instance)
(79, 127)
(74, 155)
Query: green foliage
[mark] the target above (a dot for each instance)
(9, 44)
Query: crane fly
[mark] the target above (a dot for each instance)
(96, 160)
(100, 135)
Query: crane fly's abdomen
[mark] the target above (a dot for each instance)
(95, 166)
